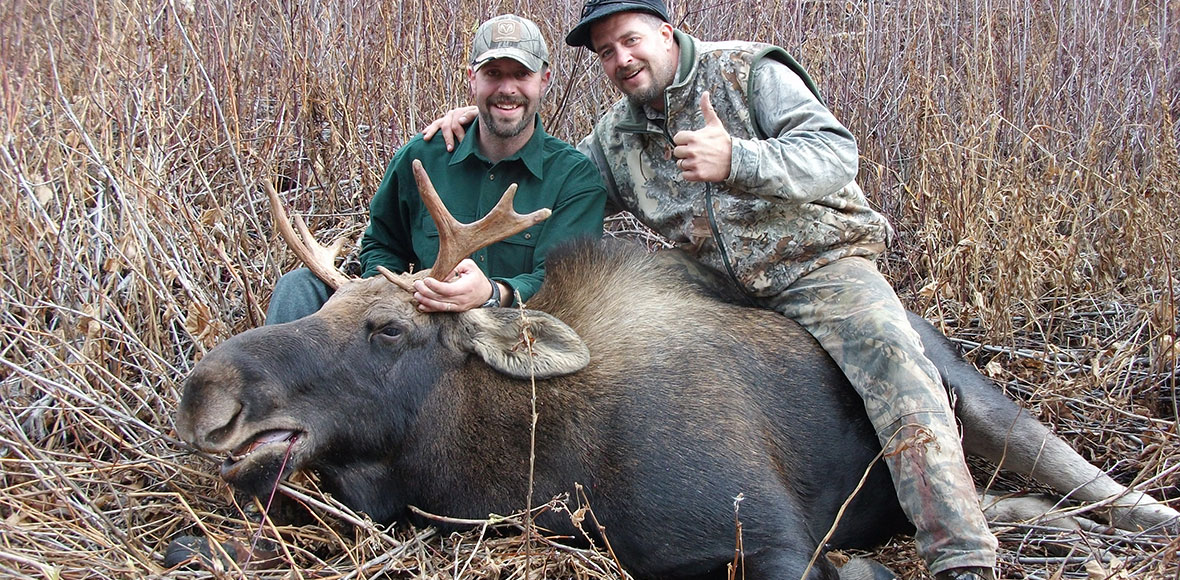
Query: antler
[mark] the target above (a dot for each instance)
(319, 259)
(457, 240)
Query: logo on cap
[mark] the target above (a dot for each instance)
(506, 31)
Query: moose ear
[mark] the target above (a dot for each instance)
(497, 335)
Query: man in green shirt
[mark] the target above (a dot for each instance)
(508, 75)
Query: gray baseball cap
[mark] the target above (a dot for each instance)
(509, 36)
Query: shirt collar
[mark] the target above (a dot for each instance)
(532, 155)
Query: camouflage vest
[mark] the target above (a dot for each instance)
(763, 244)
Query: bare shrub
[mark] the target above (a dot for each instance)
(1026, 151)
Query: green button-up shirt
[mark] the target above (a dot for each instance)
(548, 173)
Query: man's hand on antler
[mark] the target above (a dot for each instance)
(464, 289)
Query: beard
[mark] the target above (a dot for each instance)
(506, 129)
(661, 79)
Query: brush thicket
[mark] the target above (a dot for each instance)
(1025, 150)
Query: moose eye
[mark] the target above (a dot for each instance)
(387, 333)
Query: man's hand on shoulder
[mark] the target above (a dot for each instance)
(452, 125)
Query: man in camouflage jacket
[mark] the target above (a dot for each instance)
(726, 149)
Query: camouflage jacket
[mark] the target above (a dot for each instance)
(790, 204)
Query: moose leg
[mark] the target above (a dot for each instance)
(785, 562)
(997, 429)
(866, 569)
(761, 566)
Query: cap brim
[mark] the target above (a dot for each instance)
(528, 60)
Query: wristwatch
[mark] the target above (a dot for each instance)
(494, 301)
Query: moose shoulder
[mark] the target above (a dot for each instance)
(662, 401)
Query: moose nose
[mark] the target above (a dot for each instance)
(207, 418)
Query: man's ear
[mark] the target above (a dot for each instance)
(668, 33)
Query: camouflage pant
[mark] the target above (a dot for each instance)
(851, 309)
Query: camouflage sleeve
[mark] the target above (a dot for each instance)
(806, 155)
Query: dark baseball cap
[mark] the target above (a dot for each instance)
(509, 36)
(595, 10)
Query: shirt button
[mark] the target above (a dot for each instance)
(481, 258)
(528, 236)
(491, 177)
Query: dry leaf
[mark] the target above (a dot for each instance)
(929, 291)
(90, 324)
(1095, 571)
(993, 369)
(43, 194)
(199, 322)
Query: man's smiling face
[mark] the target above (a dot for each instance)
(638, 55)
(507, 95)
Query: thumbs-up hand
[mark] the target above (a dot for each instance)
(704, 154)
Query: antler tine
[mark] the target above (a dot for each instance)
(319, 259)
(457, 240)
(398, 280)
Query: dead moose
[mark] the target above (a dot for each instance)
(663, 402)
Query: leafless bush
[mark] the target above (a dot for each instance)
(1026, 151)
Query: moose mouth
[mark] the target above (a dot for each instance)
(266, 449)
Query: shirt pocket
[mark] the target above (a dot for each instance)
(515, 255)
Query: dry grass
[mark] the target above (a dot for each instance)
(1027, 152)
